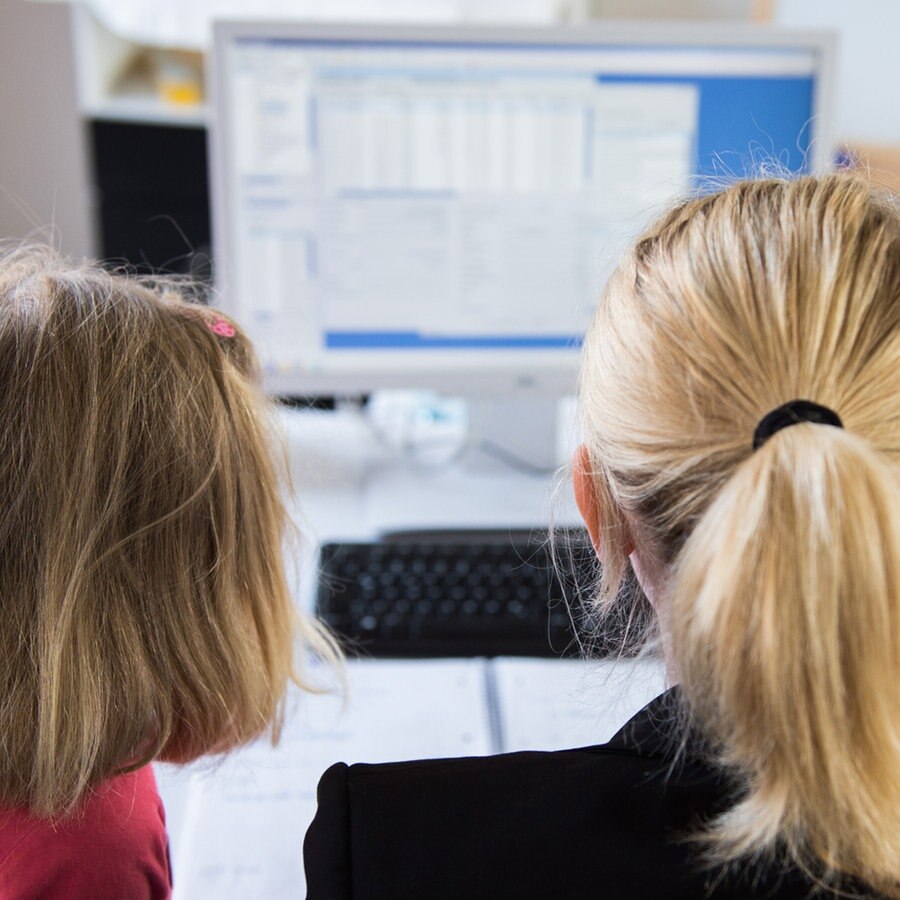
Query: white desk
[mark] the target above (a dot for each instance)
(236, 827)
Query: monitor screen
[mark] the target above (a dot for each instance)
(440, 208)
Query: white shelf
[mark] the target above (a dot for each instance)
(116, 84)
(145, 108)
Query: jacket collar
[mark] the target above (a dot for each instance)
(656, 731)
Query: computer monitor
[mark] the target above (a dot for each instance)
(439, 207)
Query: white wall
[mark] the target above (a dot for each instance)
(43, 170)
(868, 105)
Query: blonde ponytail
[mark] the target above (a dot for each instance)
(780, 601)
(783, 616)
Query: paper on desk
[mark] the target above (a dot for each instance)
(245, 819)
(550, 704)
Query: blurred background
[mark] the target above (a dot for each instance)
(104, 103)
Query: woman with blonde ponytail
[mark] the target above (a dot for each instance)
(741, 410)
(740, 398)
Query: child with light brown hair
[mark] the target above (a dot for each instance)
(145, 613)
(740, 398)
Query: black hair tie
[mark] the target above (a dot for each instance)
(795, 412)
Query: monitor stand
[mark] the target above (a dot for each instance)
(520, 430)
(530, 431)
(503, 474)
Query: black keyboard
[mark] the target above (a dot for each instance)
(455, 594)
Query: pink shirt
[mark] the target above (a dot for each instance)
(114, 847)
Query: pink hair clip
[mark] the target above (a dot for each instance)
(222, 328)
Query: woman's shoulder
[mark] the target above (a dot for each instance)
(113, 845)
(537, 824)
(610, 819)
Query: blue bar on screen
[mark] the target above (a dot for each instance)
(411, 340)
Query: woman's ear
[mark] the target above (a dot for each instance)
(588, 504)
(585, 496)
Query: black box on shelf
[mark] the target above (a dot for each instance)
(152, 197)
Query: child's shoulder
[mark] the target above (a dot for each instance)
(114, 845)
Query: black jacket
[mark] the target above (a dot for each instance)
(598, 822)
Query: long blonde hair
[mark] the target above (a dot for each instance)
(781, 602)
(145, 611)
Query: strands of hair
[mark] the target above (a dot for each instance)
(781, 598)
(146, 613)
